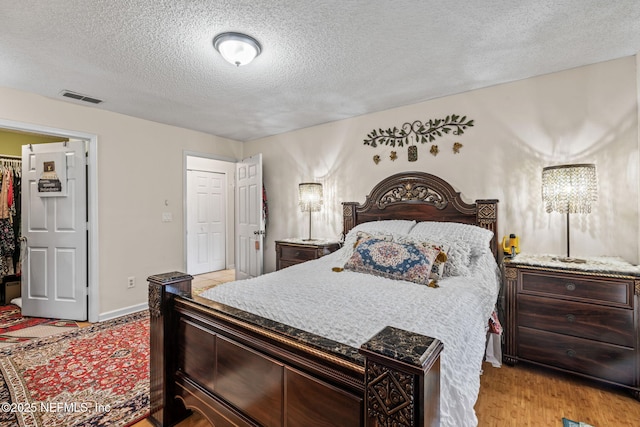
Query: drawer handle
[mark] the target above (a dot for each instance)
(570, 318)
(571, 353)
(570, 286)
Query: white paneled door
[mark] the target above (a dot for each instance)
(250, 224)
(54, 223)
(206, 227)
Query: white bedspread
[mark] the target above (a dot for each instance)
(351, 307)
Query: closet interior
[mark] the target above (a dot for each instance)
(10, 254)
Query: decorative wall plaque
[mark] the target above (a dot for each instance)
(411, 133)
(413, 153)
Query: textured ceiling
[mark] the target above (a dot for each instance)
(322, 60)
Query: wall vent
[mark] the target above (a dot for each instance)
(81, 97)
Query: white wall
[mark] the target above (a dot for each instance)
(140, 165)
(588, 114)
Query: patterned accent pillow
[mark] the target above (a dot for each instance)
(394, 227)
(394, 260)
(440, 266)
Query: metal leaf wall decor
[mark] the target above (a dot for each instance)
(418, 131)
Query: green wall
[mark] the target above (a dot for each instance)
(11, 142)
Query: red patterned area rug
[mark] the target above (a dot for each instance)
(92, 376)
(11, 319)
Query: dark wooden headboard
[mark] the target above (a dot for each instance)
(420, 196)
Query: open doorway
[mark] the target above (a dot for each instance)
(245, 213)
(90, 141)
(209, 215)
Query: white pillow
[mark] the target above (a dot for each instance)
(390, 227)
(478, 239)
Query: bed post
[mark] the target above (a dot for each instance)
(165, 410)
(402, 379)
(487, 217)
(348, 217)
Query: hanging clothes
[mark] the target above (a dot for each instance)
(9, 217)
(7, 247)
(265, 207)
(4, 193)
(17, 223)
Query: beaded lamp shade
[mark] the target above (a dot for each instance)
(310, 199)
(310, 196)
(569, 189)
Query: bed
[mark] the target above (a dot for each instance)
(270, 351)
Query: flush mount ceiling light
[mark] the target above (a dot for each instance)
(238, 49)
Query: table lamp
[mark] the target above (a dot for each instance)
(310, 199)
(569, 189)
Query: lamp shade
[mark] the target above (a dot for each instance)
(569, 188)
(310, 196)
(238, 49)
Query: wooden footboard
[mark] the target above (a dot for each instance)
(247, 371)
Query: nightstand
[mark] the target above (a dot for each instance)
(295, 251)
(577, 318)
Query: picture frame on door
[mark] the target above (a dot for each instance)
(51, 169)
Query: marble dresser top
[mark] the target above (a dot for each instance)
(605, 265)
(301, 241)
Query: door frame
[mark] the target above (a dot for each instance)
(230, 180)
(93, 291)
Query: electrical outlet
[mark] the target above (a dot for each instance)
(131, 282)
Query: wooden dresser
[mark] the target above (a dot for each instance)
(296, 251)
(577, 318)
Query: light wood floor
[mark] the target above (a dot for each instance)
(535, 397)
(213, 278)
(540, 397)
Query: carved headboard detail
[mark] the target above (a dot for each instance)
(420, 196)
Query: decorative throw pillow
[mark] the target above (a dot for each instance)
(438, 268)
(394, 260)
(393, 227)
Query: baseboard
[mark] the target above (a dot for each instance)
(122, 312)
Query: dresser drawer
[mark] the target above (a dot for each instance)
(300, 254)
(288, 263)
(601, 323)
(291, 253)
(596, 359)
(598, 290)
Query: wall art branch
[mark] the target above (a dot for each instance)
(411, 133)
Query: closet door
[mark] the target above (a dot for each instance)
(206, 222)
(54, 223)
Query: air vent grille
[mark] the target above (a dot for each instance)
(81, 97)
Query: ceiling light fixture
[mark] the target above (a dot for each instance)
(238, 49)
